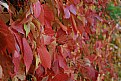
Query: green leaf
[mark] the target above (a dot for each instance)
(114, 11)
(27, 29)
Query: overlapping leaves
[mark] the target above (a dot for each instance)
(60, 40)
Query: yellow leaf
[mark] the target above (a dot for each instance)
(37, 61)
(27, 29)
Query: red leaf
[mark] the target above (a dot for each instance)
(28, 56)
(80, 26)
(80, 29)
(87, 29)
(44, 56)
(6, 38)
(92, 73)
(98, 45)
(76, 1)
(37, 9)
(74, 25)
(18, 28)
(39, 72)
(55, 67)
(62, 62)
(61, 77)
(48, 13)
(48, 28)
(92, 57)
(41, 17)
(49, 31)
(65, 51)
(7, 66)
(64, 28)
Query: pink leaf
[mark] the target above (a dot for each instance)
(16, 61)
(66, 13)
(98, 45)
(72, 9)
(37, 9)
(0, 8)
(47, 39)
(28, 56)
(18, 40)
(44, 56)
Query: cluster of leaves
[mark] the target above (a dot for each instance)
(58, 40)
(114, 11)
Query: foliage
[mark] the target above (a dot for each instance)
(60, 40)
(114, 11)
